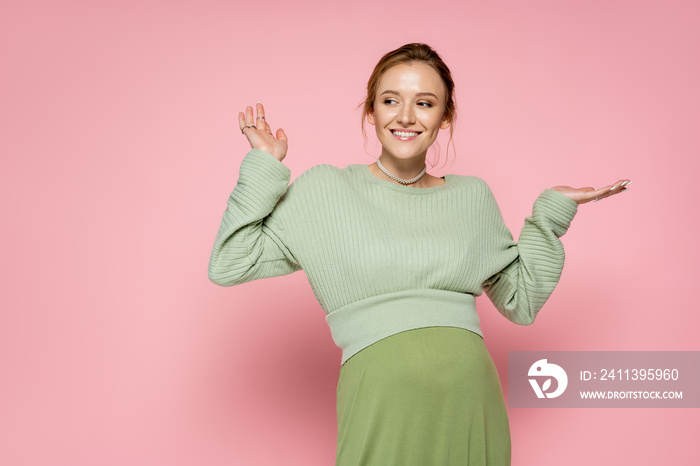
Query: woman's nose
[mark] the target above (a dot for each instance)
(406, 115)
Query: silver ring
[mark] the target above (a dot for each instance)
(260, 118)
(597, 199)
(245, 127)
(269, 132)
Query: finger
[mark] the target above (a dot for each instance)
(249, 116)
(598, 194)
(260, 119)
(620, 184)
(242, 123)
(617, 189)
(620, 190)
(615, 185)
(281, 135)
(268, 129)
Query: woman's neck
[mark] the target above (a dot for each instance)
(426, 181)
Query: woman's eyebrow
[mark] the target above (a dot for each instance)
(389, 91)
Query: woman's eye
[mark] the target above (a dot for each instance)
(425, 104)
(388, 101)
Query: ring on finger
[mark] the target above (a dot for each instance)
(260, 118)
(246, 127)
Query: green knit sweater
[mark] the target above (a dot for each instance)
(383, 258)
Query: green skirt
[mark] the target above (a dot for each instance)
(424, 397)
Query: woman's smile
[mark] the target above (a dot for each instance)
(405, 135)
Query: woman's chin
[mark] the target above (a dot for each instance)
(407, 156)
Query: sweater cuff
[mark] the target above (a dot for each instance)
(557, 209)
(262, 180)
(268, 163)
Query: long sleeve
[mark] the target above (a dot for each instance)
(535, 262)
(250, 243)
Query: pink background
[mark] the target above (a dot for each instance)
(120, 146)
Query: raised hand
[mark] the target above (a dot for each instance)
(259, 134)
(583, 195)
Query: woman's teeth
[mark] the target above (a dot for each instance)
(404, 134)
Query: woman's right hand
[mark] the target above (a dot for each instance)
(259, 134)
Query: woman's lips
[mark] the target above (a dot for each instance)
(405, 135)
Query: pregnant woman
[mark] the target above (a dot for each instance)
(395, 257)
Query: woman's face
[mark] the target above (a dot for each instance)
(408, 110)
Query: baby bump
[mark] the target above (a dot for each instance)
(440, 361)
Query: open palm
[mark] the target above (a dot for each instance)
(583, 195)
(259, 133)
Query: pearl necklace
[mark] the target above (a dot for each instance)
(401, 180)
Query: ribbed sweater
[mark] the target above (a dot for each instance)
(383, 258)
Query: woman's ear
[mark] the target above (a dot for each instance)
(445, 123)
(370, 116)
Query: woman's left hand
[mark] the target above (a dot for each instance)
(583, 195)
